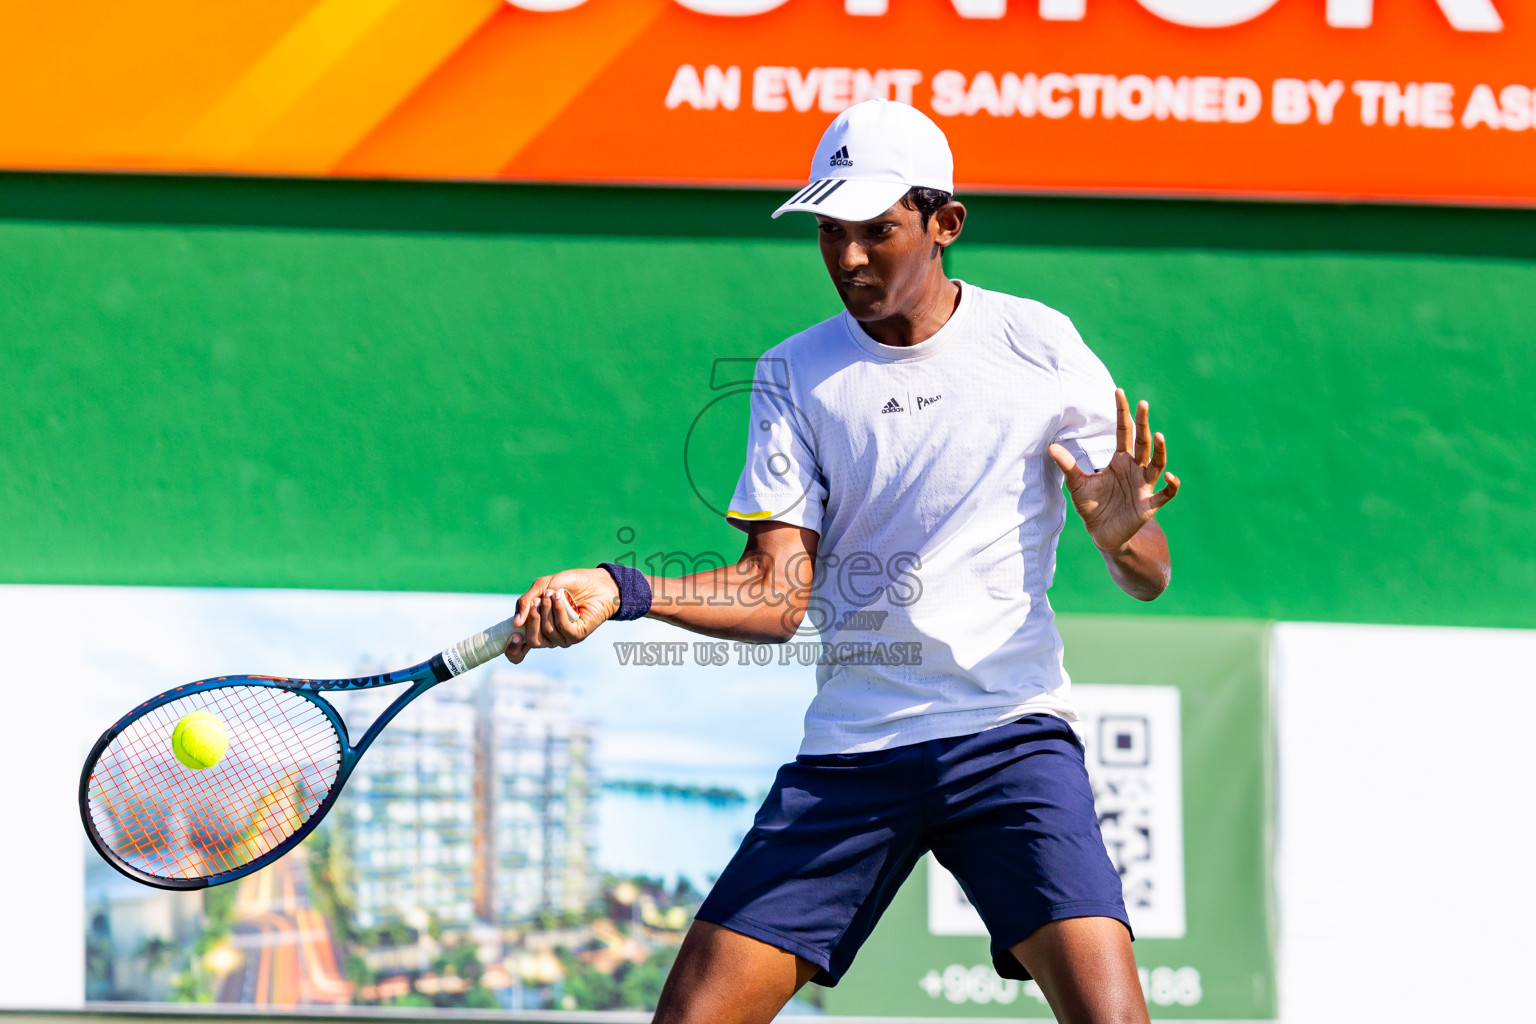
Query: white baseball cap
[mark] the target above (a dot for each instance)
(872, 153)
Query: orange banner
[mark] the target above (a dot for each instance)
(1412, 99)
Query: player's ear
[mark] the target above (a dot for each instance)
(948, 221)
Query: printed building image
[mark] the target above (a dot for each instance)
(133, 933)
(471, 806)
(407, 814)
(535, 789)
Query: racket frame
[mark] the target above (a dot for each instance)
(421, 678)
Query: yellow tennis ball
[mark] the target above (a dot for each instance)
(199, 740)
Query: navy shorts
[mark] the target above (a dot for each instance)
(1009, 811)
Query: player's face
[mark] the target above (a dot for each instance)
(880, 267)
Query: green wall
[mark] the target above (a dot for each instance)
(456, 387)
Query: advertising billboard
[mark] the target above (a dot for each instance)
(539, 837)
(1425, 100)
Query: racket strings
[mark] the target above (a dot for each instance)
(171, 821)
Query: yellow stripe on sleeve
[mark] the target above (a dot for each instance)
(748, 515)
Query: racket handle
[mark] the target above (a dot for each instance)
(475, 651)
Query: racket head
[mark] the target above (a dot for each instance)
(173, 827)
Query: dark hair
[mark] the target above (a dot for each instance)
(926, 201)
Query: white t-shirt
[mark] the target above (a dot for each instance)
(924, 470)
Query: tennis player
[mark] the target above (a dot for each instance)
(903, 495)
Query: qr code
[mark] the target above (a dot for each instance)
(1134, 763)
(1132, 738)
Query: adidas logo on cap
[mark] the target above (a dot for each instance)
(900, 148)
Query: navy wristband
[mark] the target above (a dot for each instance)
(634, 591)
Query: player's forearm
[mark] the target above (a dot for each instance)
(1141, 567)
(755, 600)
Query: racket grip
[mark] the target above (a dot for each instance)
(487, 645)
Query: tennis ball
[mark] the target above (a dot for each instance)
(199, 740)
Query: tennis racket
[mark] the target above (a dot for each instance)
(167, 825)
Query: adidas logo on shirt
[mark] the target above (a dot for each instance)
(893, 406)
(841, 158)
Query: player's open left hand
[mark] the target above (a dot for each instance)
(1119, 500)
(561, 610)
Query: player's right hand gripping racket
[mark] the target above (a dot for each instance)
(167, 825)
